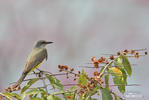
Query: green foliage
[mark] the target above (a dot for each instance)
(85, 88)
(118, 80)
(121, 80)
(107, 80)
(54, 82)
(36, 98)
(106, 95)
(52, 97)
(124, 63)
(9, 95)
(70, 93)
(82, 79)
(32, 81)
(33, 91)
(117, 97)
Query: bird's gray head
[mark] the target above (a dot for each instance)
(41, 44)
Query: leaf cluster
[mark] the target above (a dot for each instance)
(87, 87)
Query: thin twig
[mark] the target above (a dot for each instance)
(140, 49)
(75, 96)
(40, 77)
(44, 71)
(105, 68)
(44, 85)
(138, 55)
(125, 55)
(119, 96)
(52, 74)
(109, 84)
(101, 66)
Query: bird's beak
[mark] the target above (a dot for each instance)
(49, 42)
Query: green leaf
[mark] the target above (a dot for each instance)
(126, 64)
(33, 91)
(116, 96)
(35, 98)
(70, 93)
(58, 85)
(106, 95)
(55, 82)
(119, 80)
(35, 95)
(72, 88)
(107, 80)
(42, 91)
(101, 69)
(96, 89)
(50, 78)
(123, 62)
(124, 76)
(121, 88)
(9, 95)
(52, 97)
(82, 79)
(32, 81)
(56, 98)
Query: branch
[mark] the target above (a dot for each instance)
(105, 68)
(109, 84)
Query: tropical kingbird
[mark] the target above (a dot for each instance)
(38, 54)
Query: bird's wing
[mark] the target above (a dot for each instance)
(35, 60)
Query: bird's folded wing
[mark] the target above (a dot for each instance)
(35, 60)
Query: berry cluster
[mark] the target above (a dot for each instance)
(135, 53)
(92, 82)
(13, 88)
(68, 71)
(97, 62)
(65, 68)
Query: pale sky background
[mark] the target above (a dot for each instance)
(79, 29)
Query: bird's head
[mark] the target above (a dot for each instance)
(41, 43)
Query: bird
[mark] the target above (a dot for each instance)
(35, 58)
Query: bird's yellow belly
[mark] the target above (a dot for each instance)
(35, 67)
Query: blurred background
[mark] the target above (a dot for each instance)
(79, 29)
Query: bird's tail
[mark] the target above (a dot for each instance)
(20, 79)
